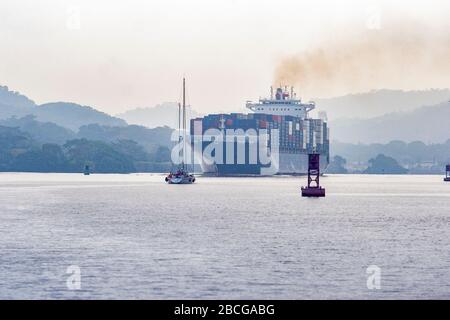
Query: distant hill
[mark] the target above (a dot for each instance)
(19, 152)
(8, 111)
(429, 124)
(150, 139)
(43, 132)
(379, 102)
(165, 114)
(406, 153)
(382, 164)
(69, 115)
(63, 137)
(13, 98)
(73, 116)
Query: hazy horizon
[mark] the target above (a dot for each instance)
(117, 56)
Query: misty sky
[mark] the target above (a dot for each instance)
(118, 55)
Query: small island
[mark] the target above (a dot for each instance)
(382, 164)
(337, 165)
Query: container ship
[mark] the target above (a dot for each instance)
(283, 113)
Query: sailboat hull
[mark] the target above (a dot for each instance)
(180, 180)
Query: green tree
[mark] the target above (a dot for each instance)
(102, 156)
(162, 154)
(337, 165)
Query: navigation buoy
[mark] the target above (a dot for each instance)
(313, 189)
(87, 170)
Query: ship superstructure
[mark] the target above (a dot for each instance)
(284, 103)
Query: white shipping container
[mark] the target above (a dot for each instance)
(319, 135)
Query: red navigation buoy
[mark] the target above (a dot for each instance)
(313, 189)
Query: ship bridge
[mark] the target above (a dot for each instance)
(284, 103)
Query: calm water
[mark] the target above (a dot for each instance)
(133, 236)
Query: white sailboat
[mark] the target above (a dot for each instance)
(181, 175)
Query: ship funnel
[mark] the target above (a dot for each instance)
(279, 94)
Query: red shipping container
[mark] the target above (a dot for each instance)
(276, 118)
(263, 124)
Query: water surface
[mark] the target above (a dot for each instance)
(133, 236)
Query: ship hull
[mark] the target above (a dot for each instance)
(289, 164)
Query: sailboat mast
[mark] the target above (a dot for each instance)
(179, 122)
(184, 122)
